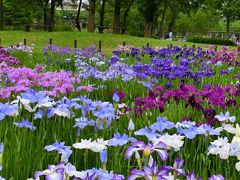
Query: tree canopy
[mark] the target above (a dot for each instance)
(149, 18)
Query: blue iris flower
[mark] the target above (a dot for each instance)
(7, 109)
(25, 124)
(150, 134)
(119, 140)
(116, 98)
(61, 149)
(162, 124)
(33, 96)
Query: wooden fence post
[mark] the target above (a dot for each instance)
(100, 46)
(25, 41)
(50, 41)
(75, 43)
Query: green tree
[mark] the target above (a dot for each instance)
(53, 4)
(117, 10)
(91, 16)
(150, 12)
(17, 13)
(1, 14)
(129, 4)
(102, 14)
(78, 15)
(230, 10)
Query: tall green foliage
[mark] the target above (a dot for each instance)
(20, 12)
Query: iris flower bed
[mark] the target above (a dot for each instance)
(144, 113)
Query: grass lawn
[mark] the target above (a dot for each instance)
(66, 39)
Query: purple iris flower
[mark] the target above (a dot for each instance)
(147, 149)
(114, 59)
(52, 173)
(216, 177)
(222, 72)
(192, 176)
(177, 166)
(25, 124)
(119, 140)
(150, 172)
(61, 149)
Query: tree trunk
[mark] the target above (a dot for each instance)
(52, 14)
(91, 17)
(163, 17)
(102, 11)
(45, 18)
(1, 14)
(116, 24)
(228, 25)
(148, 29)
(126, 15)
(170, 25)
(78, 15)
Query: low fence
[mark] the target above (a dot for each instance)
(75, 44)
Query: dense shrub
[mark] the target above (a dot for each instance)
(63, 27)
(212, 40)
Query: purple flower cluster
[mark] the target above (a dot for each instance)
(212, 96)
(21, 79)
(6, 59)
